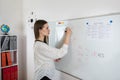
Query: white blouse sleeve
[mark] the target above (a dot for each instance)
(51, 52)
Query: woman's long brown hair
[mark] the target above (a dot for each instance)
(39, 24)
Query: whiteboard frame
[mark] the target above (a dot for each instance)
(109, 14)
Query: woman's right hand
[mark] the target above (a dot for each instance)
(68, 33)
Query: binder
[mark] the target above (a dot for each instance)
(4, 74)
(16, 72)
(0, 42)
(3, 59)
(13, 42)
(5, 45)
(12, 73)
(15, 57)
(9, 60)
(8, 73)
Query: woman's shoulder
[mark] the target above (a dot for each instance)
(38, 43)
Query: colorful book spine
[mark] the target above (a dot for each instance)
(10, 73)
(3, 59)
(9, 60)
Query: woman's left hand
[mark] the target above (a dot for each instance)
(57, 60)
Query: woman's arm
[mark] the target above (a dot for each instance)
(54, 53)
(67, 38)
(50, 52)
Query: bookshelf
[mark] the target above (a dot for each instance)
(8, 57)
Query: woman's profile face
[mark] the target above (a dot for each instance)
(45, 30)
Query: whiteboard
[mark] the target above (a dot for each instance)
(94, 50)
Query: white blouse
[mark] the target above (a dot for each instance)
(44, 57)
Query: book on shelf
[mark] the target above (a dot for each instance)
(5, 43)
(0, 42)
(10, 73)
(9, 60)
(3, 59)
(6, 59)
(13, 42)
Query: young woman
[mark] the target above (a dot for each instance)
(44, 55)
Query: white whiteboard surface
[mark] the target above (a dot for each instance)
(94, 51)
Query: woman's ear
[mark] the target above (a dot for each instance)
(40, 31)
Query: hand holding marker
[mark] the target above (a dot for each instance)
(67, 37)
(67, 33)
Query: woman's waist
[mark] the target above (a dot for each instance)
(44, 64)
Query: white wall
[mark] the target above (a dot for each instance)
(11, 14)
(52, 10)
(66, 9)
